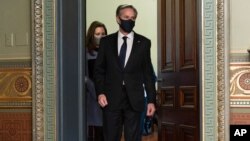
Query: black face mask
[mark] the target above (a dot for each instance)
(127, 25)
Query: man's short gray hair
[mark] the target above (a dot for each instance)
(120, 7)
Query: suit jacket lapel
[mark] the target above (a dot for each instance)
(135, 46)
(115, 49)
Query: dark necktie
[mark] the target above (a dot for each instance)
(123, 51)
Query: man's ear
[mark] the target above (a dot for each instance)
(118, 20)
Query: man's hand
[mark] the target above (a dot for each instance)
(102, 100)
(151, 109)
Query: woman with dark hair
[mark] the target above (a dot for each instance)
(96, 31)
(94, 112)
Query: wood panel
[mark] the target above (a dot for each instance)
(168, 46)
(187, 133)
(15, 126)
(188, 31)
(168, 97)
(188, 96)
(167, 132)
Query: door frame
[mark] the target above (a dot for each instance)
(214, 77)
(58, 70)
(214, 43)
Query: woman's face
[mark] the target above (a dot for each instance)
(99, 33)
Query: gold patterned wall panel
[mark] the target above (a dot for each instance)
(15, 103)
(240, 84)
(15, 29)
(15, 84)
(239, 90)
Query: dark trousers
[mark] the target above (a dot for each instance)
(95, 133)
(124, 118)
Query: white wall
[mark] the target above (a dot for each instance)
(146, 22)
(239, 25)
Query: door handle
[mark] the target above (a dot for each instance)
(159, 79)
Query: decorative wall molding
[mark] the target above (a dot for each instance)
(43, 62)
(49, 71)
(37, 69)
(15, 84)
(222, 71)
(20, 63)
(209, 60)
(239, 57)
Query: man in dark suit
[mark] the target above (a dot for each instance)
(123, 70)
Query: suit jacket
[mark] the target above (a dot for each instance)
(109, 75)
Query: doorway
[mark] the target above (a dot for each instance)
(209, 117)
